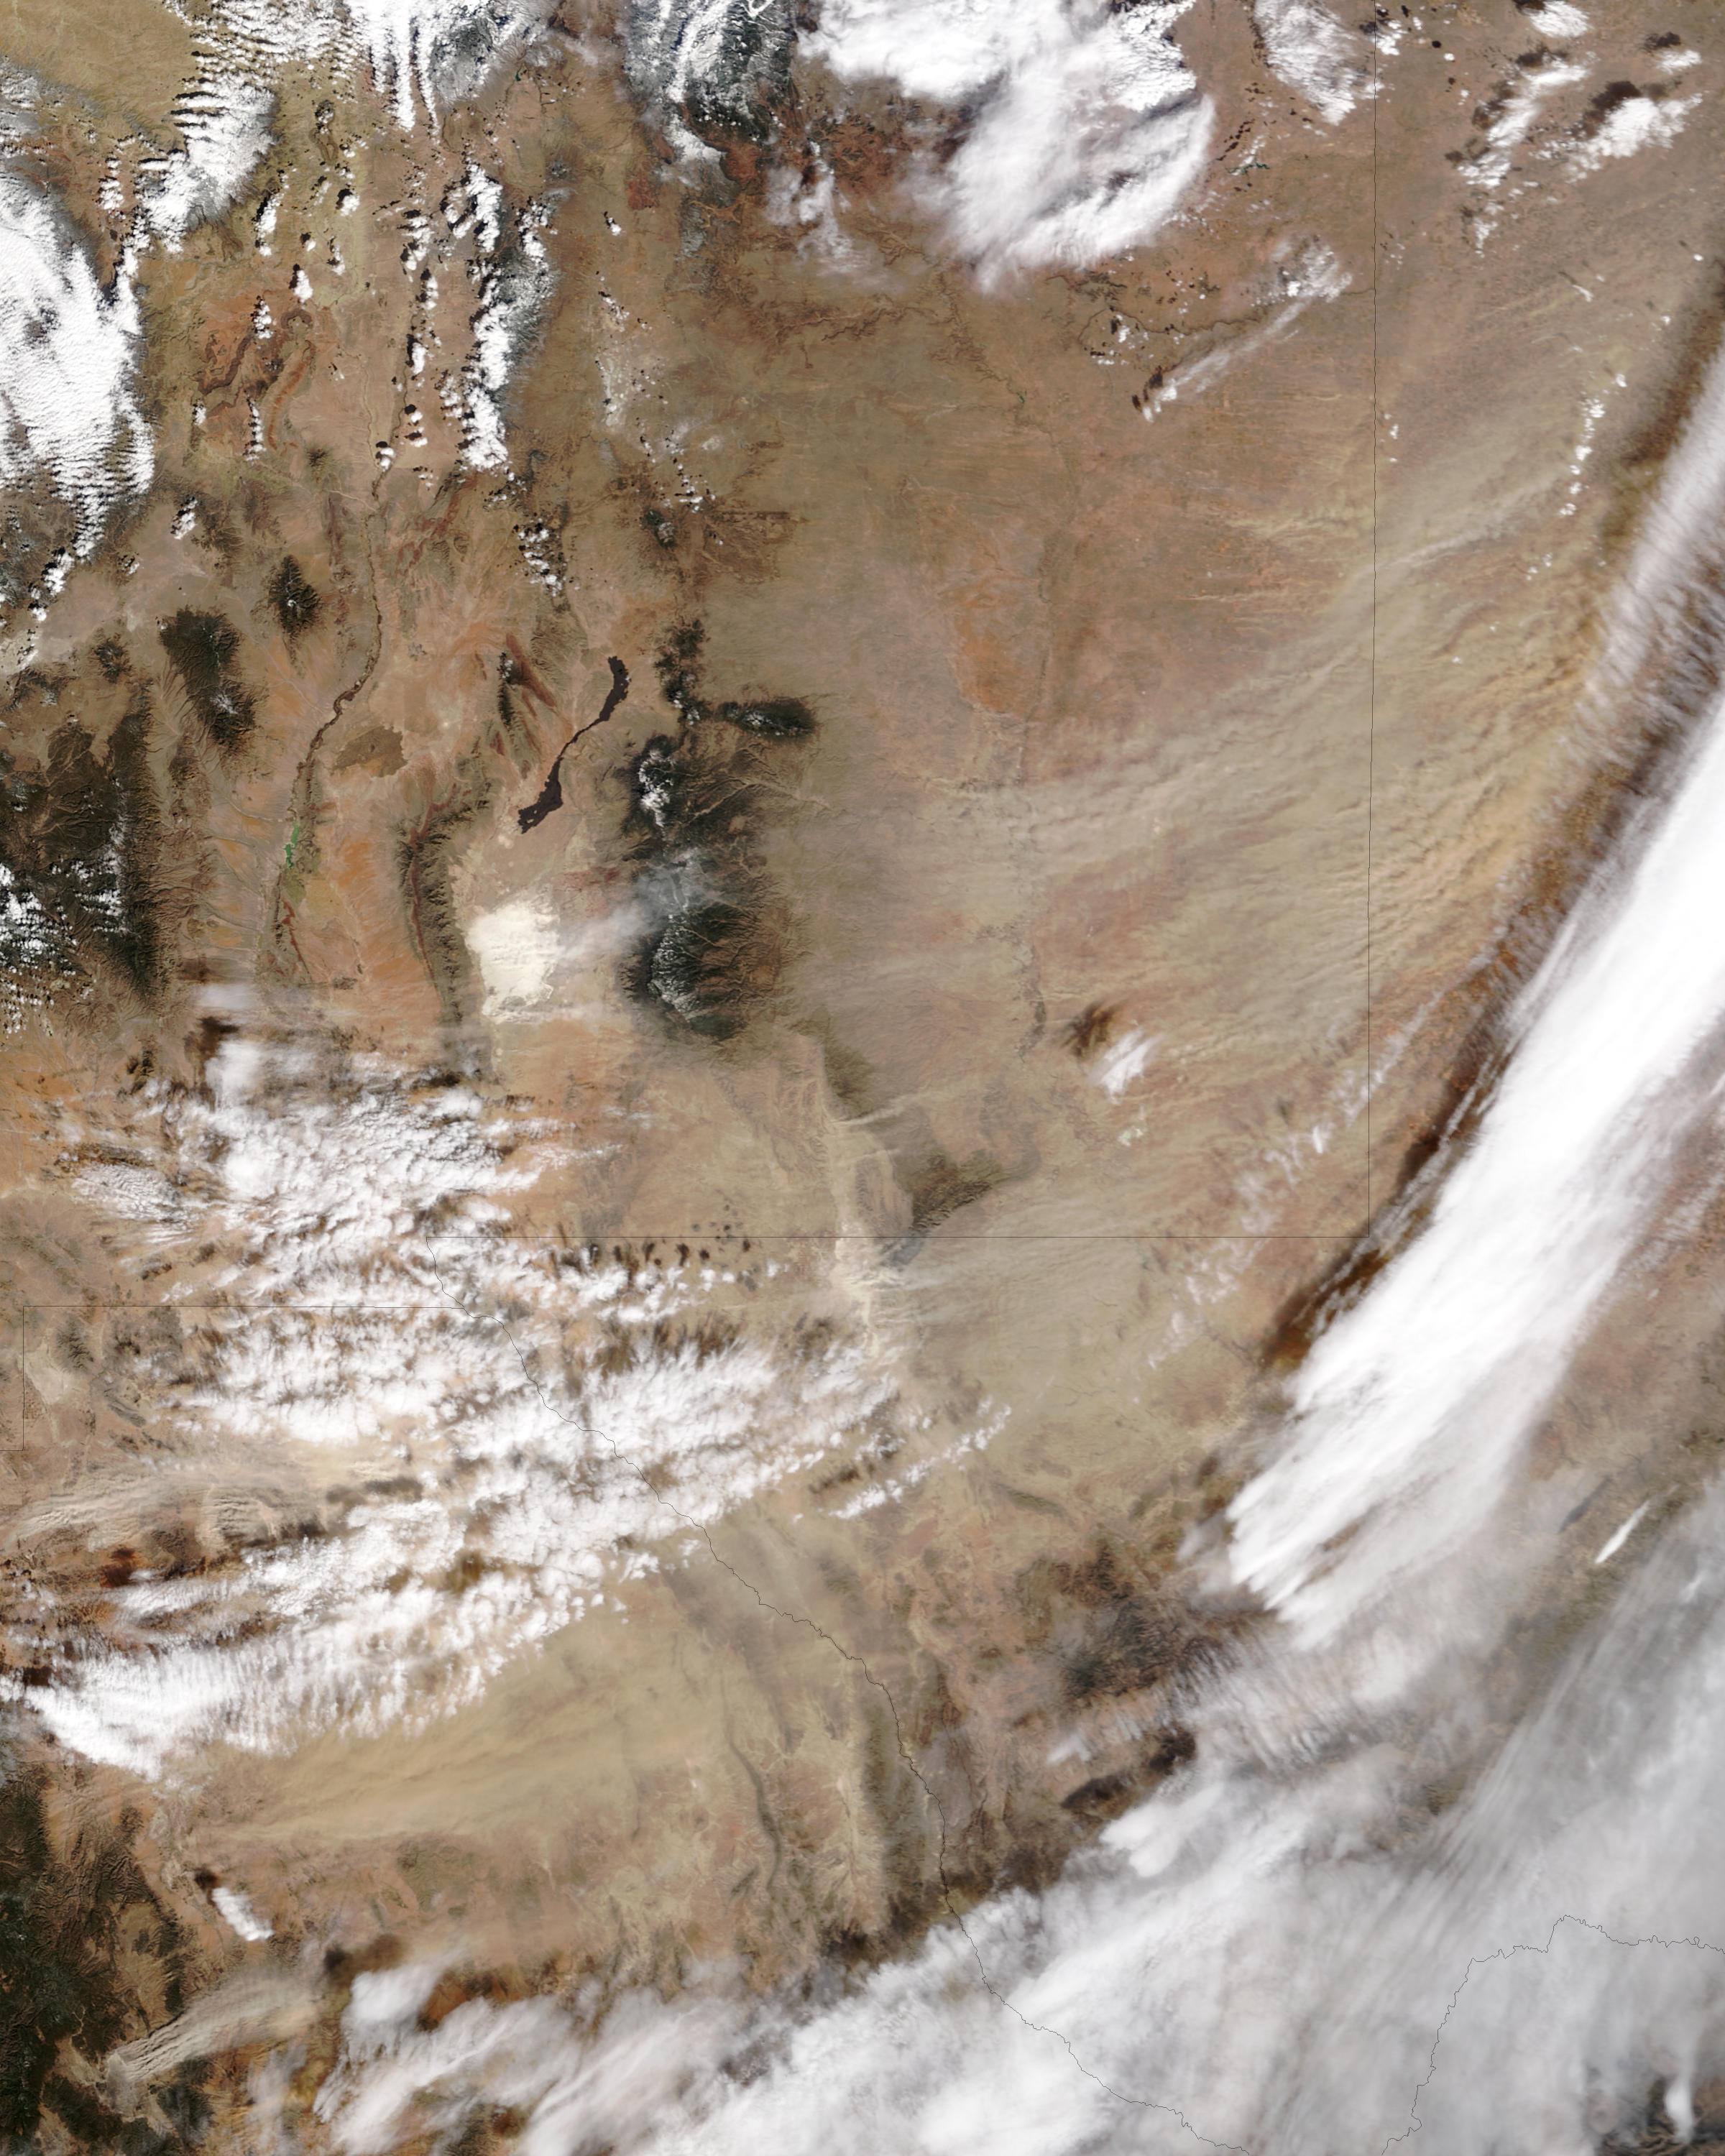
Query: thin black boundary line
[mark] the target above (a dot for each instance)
(1416, 2124)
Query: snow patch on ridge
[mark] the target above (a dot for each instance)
(224, 117)
(1557, 18)
(1639, 122)
(421, 55)
(697, 63)
(514, 280)
(437, 52)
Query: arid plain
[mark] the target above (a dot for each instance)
(639, 1403)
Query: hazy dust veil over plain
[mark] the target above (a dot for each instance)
(862, 1013)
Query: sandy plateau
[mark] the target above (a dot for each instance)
(625, 1407)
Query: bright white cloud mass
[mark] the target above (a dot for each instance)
(1246, 1961)
(1088, 126)
(500, 1419)
(1372, 1905)
(69, 352)
(1292, 1948)
(70, 417)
